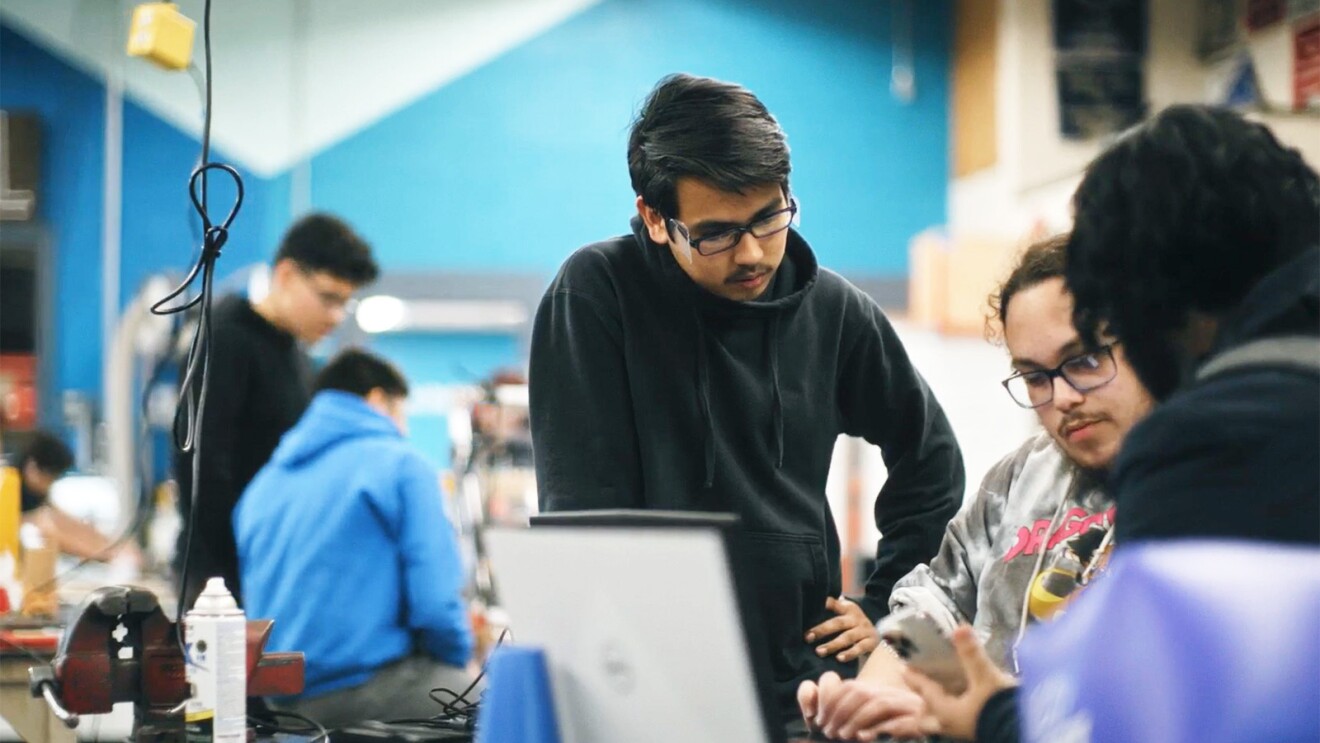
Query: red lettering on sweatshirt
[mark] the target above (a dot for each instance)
(1076, 521)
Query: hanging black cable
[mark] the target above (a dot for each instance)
(197, 367)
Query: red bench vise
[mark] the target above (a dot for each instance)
(122, 648)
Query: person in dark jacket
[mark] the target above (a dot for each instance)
(1197, 244)
(706, 362)
(261, 382)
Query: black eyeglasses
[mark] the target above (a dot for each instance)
(761, 227)
(1083, 372)
(331, 300)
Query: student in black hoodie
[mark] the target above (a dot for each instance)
(261, 381)
(706, 362)
(1197, 244)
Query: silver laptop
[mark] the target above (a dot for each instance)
(637, 612)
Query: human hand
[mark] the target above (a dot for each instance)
(955, 715)
(856, 710)
(854, 633)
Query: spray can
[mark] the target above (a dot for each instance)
(215, 635)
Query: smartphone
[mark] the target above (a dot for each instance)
(920, 642)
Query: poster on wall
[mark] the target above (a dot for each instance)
(1218, 29)
(1099, 66)
(1099, 96)
(1115, 27)
(1306, 65)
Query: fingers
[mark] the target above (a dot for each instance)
(865, 707)
(906, 727)
(830, 627)
(930, 692)
(807, 697)
(827, 690)
(976, 664)
(865, 645)
(852, 643)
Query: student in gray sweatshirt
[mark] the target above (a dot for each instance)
(1041, 524)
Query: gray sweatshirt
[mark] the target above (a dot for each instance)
(1033, 499)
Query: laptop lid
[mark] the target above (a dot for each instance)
(640, 618)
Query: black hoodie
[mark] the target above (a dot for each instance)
(1234, 455)
(649, 392)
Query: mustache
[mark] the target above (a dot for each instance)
(744, 274)
(1077, 421)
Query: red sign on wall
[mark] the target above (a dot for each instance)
(1306, 64)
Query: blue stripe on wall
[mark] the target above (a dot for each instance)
(71, 105)
(522, 160)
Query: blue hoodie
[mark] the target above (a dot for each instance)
(343, 541)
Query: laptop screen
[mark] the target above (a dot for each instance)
(639, 613)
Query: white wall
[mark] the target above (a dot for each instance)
(294, 76)
(1030, 186)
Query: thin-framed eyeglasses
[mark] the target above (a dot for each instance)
(718, 242)
(330, 300)
(1083, 372)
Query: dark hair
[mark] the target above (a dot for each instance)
(1041, 261)
(48, 452)
(1185, 213)
(323, 242)
(717, 132)
(359, 372)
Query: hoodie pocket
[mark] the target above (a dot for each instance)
(788, 576)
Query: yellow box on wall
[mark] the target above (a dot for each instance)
(162, 34)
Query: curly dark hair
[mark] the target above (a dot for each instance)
(1185, 213)
(1041, 261)
(711, 130)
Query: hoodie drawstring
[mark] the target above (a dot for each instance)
(778, 405)
(703, 396)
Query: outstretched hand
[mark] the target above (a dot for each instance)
(955, 715)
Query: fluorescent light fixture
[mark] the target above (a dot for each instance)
(381, 313)
(385, 314)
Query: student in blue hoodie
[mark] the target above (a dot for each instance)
(343, 541)
(706, 362)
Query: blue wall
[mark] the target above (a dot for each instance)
(159, 230)
(515, 164)
(71, 105)
(519, 162)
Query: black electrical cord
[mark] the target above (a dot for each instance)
(197, 367)
(268, 722)
(457, 708)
